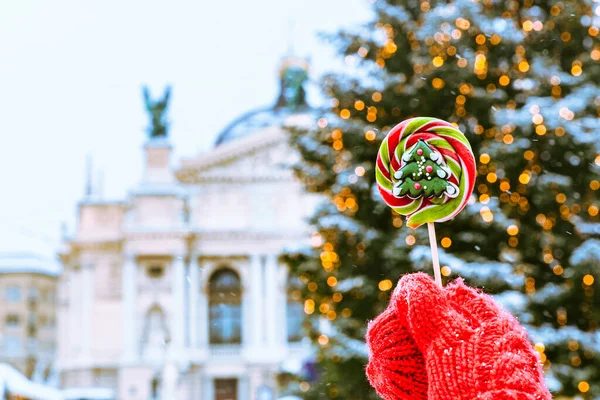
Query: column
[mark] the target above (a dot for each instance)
(74, 312)
(177, 312)
(244, 391)
(187, 343)
(252, 382)
(62, 293)
(128, 296)
(208, 389)
(282, 288)
(87, 301)
(270, 296)
(247, 314)
(203, 322)
(256, 318)
(193, 290)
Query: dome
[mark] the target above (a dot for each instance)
(252, 122)
(292, 99)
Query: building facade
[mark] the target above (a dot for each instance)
(28, 314)
(178, 291)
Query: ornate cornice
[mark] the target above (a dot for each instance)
(219, 258)
(195, 237)
(275, 177)
(154, 235)
(238, 235)
(96, 245)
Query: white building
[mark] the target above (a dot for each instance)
(27, 313)
(178, 292)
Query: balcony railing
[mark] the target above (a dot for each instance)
(225, 351)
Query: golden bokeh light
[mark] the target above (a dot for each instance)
(385, 285)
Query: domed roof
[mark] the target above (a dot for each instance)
(292, 99)
(252, 122)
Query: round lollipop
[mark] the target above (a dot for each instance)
(426, 171)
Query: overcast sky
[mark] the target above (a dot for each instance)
(70, 79)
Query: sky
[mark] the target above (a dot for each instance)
(71, 74)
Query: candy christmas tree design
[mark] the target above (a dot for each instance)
(424, 174)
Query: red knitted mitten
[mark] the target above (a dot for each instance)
(396, 369)
(471, 348)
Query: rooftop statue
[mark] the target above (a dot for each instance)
(157, 112)
(294, 74)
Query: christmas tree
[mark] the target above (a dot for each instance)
(521, 79)
(424, 174)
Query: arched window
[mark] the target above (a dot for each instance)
(294, 311)
(225, 302)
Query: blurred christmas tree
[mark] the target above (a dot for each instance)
(521, 79)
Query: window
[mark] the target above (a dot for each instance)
(226, 389)
(12, 321)
(294, 311)
(155, 271)
(13, 345)
(225, 302)
(13, 294)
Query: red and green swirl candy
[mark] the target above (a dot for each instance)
(426, 170)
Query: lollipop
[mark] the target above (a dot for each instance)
(426, 171)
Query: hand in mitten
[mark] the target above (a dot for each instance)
(450, 343)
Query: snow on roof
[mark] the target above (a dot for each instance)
(11, 263)
(158, 189)
(16, 383)
(91, 393)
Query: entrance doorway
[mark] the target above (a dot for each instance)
(226, 389)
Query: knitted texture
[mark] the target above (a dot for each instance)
(451, 343)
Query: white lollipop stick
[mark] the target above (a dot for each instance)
(434, 254)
